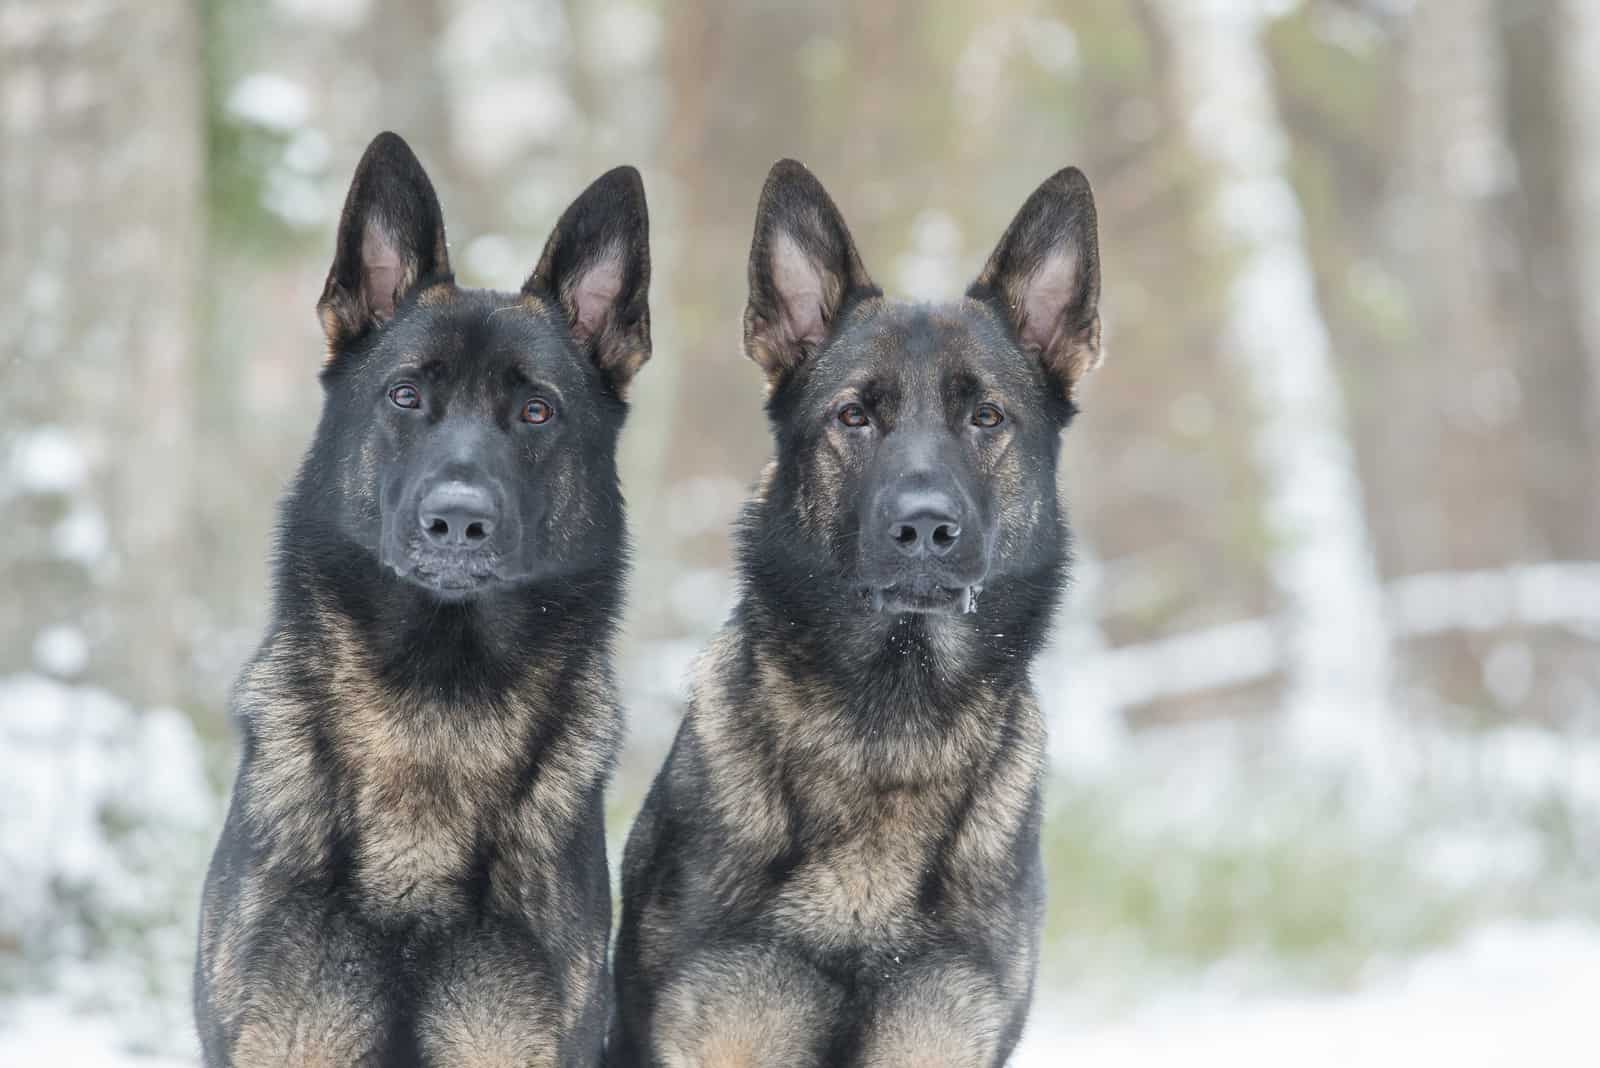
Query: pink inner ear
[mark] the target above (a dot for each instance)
(799, 285)
(381, 270)
(1045, 296)
(594, 294)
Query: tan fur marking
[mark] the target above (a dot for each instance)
(426, 776)
(862, 888)
(437, 296)
(423, 777)
(741, 793)
(886, 802)
(749, 1009)
(315, 1012)
(821, 481)
(936, 1018)
(277, 798)
(332, 313)
(763, 486)
(221, 949)
(488, 1018)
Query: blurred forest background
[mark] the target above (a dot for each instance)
(1326, 692)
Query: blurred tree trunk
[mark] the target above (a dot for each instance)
(738, 89)
(1548, 109)
(719, 143)
(616, 80)
(102, 172)
(1578, 30)
(401, 42)
(1321, 561)
(1461, 439)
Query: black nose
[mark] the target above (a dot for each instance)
(924, 524)
(457, 515)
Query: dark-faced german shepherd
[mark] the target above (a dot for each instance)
(839, 863)
(413, 868)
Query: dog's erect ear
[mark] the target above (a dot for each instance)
(596, 265)
(803, 269)
(391, 237)
(1044, 277)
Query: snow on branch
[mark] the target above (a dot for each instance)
(1436, 602)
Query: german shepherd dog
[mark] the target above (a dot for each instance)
(839, 862)
(413, 867)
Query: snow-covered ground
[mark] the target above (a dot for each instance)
(1507, 994)
(41, 1032)
(106, 815)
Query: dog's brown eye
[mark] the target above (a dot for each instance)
(853, 415)
(537, 411)
(987, 416)
(405, 396)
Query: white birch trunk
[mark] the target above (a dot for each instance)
(1323, 567)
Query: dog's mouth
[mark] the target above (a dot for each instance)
(924, 597)
(450, 576)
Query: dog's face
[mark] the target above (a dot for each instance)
(474, 432)
(917, 443)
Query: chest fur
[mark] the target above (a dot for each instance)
(861, 883)
(417, 792)
(427, 789)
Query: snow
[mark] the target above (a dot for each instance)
(81, 535)
(1547, 594)
(37, 1031)
(61, 650)
(270, 100)
(102, 875)
(49, 459)
(1507, 994)
(1562, 594)
(108, 819)
(72, 755)
(1088, 734)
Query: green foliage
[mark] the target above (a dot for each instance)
(1341, 82)
(1277, 874)
(239, 154)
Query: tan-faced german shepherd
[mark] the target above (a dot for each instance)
(839, 864)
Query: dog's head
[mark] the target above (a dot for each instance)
(916, 444)
(468, 437)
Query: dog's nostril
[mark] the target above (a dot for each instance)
(904, 533)
(438, 527)
(945, 534)
(476, 532)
